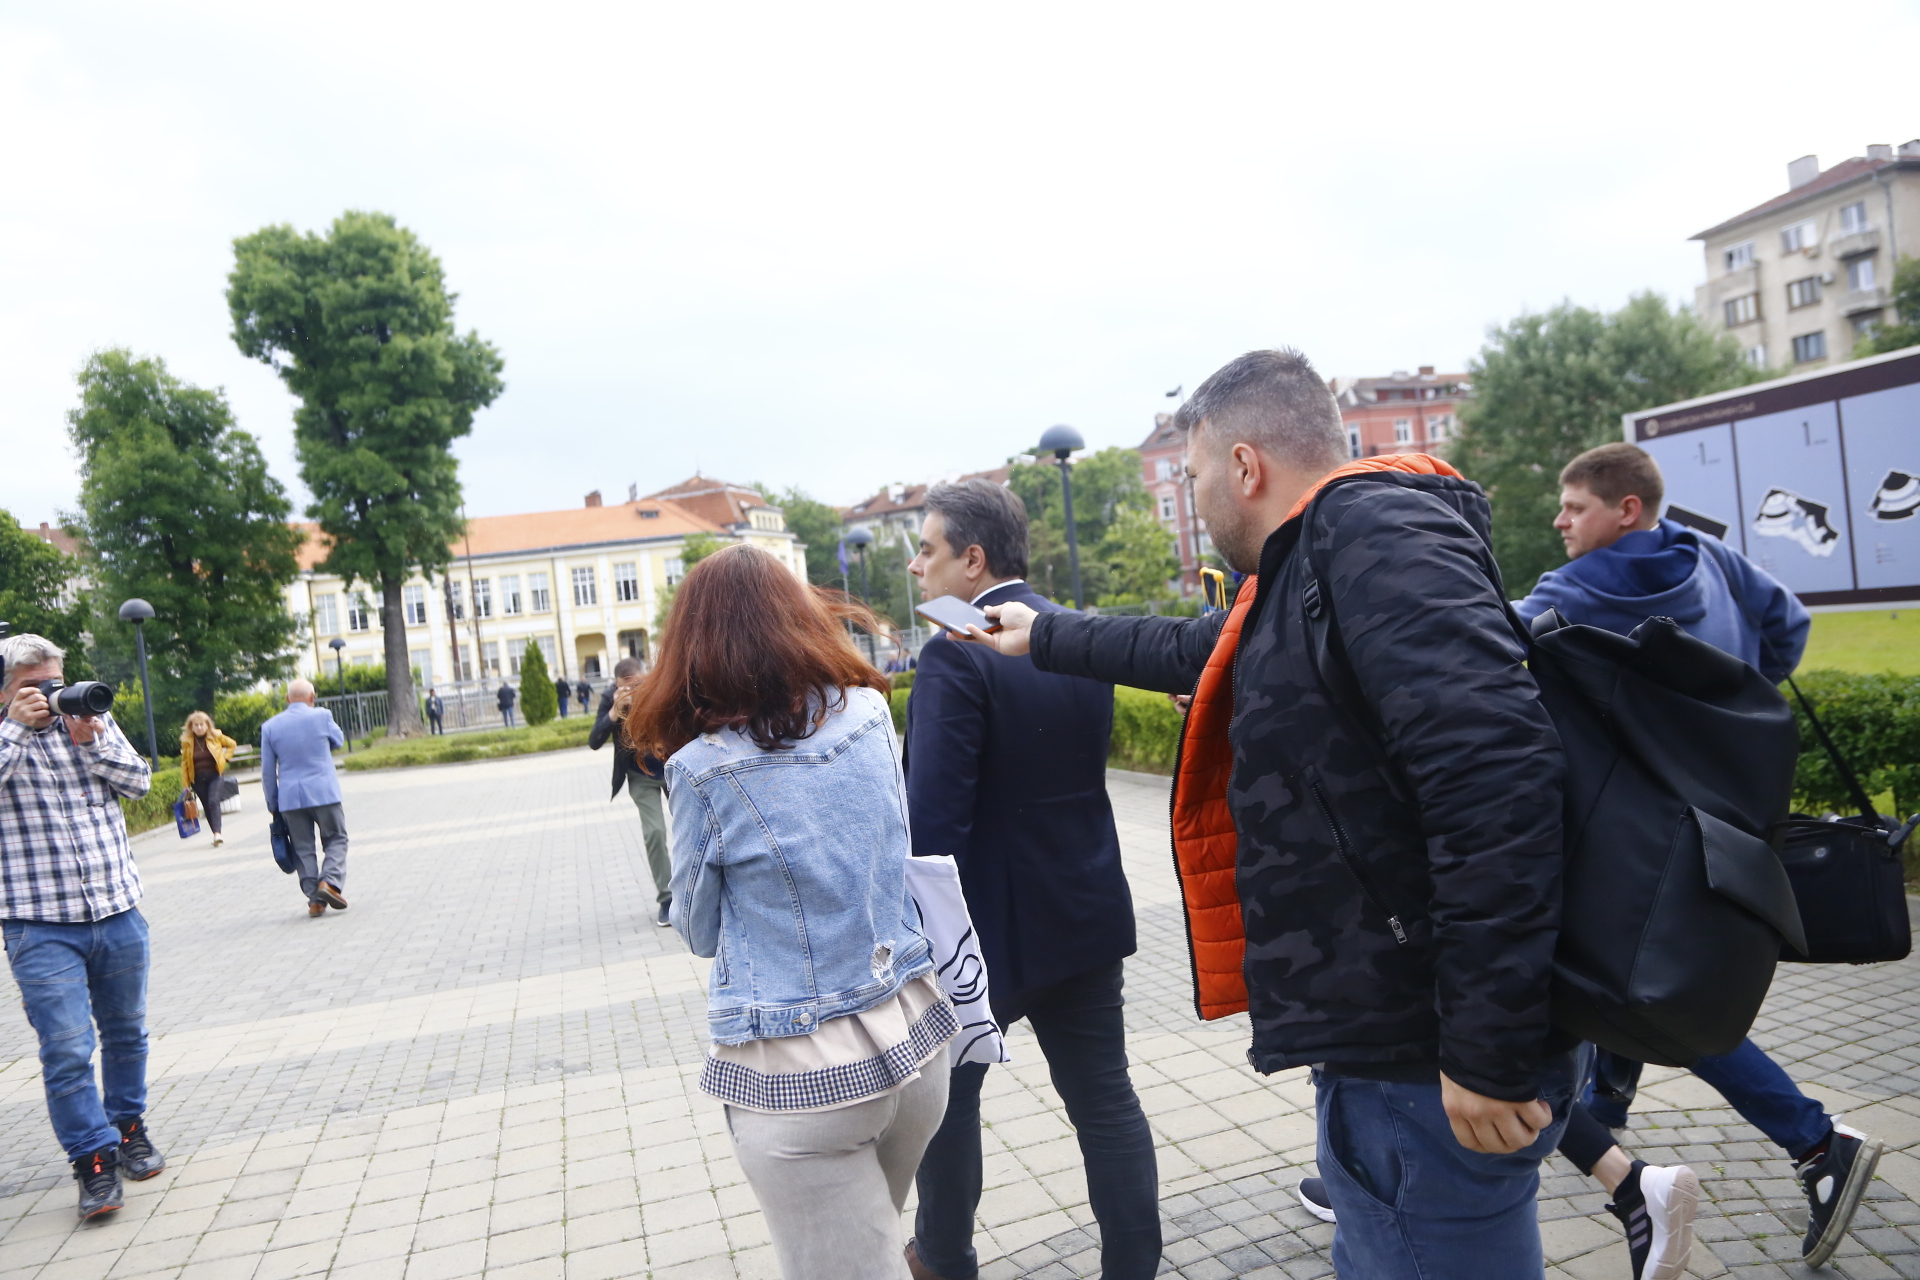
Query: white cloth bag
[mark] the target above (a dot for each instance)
(934, 885)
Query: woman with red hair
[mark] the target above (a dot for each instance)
(790, 843)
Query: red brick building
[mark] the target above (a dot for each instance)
(1163, 457)
(1405, 413)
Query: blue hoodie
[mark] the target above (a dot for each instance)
(1711, 590)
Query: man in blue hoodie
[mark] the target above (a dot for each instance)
(1626, 565)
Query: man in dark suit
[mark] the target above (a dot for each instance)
(642, 776)
(1006, 771)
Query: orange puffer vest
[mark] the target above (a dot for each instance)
(1205, 843)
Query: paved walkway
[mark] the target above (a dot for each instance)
(486, 1067)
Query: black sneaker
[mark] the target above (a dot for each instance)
(99, 1179)
(1313, 1198)
(660, 916)
(139, 1158)
(1656, 1204)
(1835, 1180)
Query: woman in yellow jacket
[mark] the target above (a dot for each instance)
(204, 752)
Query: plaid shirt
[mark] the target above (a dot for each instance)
(63, 841)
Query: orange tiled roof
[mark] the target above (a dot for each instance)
(1850, 170)
(544, 530)
(60, 539)
(913, 497)
(717, 501)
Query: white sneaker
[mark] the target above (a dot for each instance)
(1658, 1216)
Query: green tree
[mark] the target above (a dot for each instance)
(1904, 331)
(178, 509)
(38, 593)
(1138, 555)
(817, 525)
(539, 700)
(697, 546)
(1104, 484)
(359, 324)
(1552, 385)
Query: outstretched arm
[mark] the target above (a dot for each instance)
(1162, 654)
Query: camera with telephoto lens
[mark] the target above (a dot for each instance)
(88, 698)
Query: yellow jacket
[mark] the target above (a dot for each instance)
(219, 745)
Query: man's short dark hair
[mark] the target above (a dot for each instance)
(980, 513)
(628, 667)
(1613, 471)
(1275, 400)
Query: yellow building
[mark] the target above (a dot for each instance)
(585, 585)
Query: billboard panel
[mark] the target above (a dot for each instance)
(1815, 478)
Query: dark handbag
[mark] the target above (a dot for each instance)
(1847, 873)
(282, 841)
(227, 788)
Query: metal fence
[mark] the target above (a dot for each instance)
(470, 705)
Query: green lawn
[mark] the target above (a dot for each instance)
(400, 753)
(1881, 641)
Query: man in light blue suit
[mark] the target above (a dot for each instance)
(302, 789)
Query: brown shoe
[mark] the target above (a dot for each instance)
(918, 1269)
(332, 895)
(316, 909)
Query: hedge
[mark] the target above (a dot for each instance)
(1875, 723)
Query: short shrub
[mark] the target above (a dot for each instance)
(1146, 731)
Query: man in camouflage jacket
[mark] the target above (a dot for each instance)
(1396, 789)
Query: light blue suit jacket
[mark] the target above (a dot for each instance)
(296, 758)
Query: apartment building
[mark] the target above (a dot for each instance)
(1163, 461)
(1800, 279)
(584, 585)
(899, 510)
(1405, 413)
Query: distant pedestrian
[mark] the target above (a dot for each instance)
(644, 777)
(204, 753)
(564, 691)
(790, 849)
(436, 712)
(584, 692)
(302, 788)
(505, 697)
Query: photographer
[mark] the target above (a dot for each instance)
(76, 942)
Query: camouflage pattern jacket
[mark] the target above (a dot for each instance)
(1399, 841)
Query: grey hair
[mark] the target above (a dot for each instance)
(1274, 400)
(28, 651)
(980, 513)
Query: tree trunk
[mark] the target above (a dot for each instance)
(403, 708)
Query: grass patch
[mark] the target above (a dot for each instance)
(1867, 642)
(406, 753)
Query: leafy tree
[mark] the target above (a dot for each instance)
(817, 525)
(1549, 386)
(1138, 555)
(697, 546)
(38, 593)
(1104, 484)
(359, 324)
(178, 509)
(539, 700)
(1905, 329)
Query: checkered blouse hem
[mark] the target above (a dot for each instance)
(832, 1086)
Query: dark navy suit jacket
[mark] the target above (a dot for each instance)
(1007, 772)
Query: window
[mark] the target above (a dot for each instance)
(421, 660)
(456, 592)
(413, 602)
(482, 598)
(1166, 507)
(1168, 469)
(590, 667)
(516, 654)
(634, 644)
(1757, 355)
(1799, 237)
(1437, 428)
(1353, 442)
(326, 615)
(626, 583)
(586, 588)
(539, 599)
(1866, 325)
(1744, 309)
(1403, 430)
(675, 570)
(490, 658)
(1809, 346)
(358, 618)
(1860, 273)
(550, 652)
(1853, 218)
(1803, 292)
(510, 602)
(1738, 257)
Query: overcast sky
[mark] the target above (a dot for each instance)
(839, 246)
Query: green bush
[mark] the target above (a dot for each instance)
(1875, 724)
(902, 681)
(401, 753)
(240, 715)
(899, 700)
(1146, 731)
(539, 700)
(154, 809)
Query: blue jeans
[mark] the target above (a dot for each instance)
(1413, 1203)
(1081, 1033)
(72, 976)
(1752, 1083)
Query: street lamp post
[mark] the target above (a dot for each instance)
(340, 666)
(1061, 441)
(860, 538)
(137, 612)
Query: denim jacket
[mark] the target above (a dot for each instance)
(789, 869)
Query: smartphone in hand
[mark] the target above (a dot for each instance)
(951, 613)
